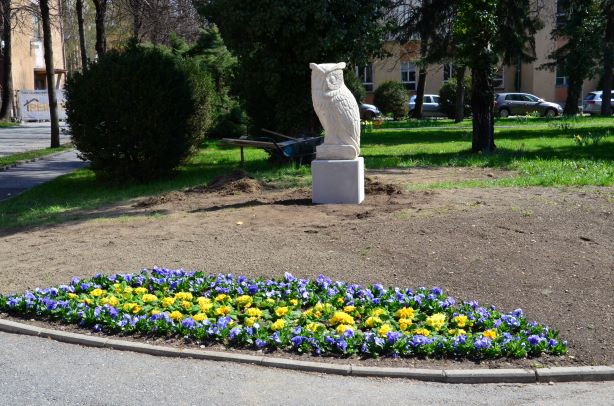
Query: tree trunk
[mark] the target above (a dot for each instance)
(573, 94)
(482, 97)
(421, 82)
(7, 62)
(136, 8)
(459, 114)
(53, 102)
(101, 39)
(606, 97)
(79, 8)
(608, 58)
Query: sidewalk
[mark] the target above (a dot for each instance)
(25, 176)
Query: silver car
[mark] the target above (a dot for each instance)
(592, 102)
(430, 106)
(513, 104)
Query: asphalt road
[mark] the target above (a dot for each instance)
(25, 176)
(26, 137)
(37, 371)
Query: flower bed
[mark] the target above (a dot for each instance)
(321, 317)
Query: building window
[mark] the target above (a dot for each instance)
(37, 31)
(561, 77)
(497, 80)
(561, 12)
(40, 81)
(448, 72)
(408, 75)
(365, 74)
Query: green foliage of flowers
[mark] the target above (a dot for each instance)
(319, 316)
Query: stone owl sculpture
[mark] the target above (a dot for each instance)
(337, 110)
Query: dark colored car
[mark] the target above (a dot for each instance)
(368, 111)
(513, 104)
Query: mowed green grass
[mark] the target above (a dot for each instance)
(28, 155)
(542, 152)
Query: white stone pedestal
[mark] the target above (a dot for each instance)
(338, 181)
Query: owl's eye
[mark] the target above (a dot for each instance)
(333, 79)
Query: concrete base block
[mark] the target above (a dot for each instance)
(338, 181)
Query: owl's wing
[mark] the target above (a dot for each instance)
(345, 109)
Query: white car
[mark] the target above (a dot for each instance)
(592, 102)
(430, 106)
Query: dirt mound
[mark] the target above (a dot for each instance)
(375, 187)
(231, 184)
(156, 200)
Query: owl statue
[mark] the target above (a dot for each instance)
(337, 110)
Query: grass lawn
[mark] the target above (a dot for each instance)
(543, 152)
(24, 156)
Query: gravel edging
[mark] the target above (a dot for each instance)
(470, 376)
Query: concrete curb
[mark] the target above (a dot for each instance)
(471, 376)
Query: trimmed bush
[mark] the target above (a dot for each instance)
(447, 98)
(138, 113)
(392, 98)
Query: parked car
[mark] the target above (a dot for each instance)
(430, 106)
(368, 111)
(592, 102)
(512, 104)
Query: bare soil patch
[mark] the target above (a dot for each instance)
(546, 250)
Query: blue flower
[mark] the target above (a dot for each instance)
(534, 339)
(288, 277)
(437, 291)
(188, 323)
(482, 343)
(518, 313)
(342, 344)
(234, 333)
(259, 343)
(252, 289)
(297, 341)
(393, 336)
(552, 342)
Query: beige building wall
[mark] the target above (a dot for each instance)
(532, 79)
(28, 54)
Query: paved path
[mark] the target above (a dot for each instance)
(15, 180)
(41, 371)
(26, 137)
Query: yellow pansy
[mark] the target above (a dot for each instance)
(341, 318)
(460, 320)
(221, 297)
(457, 331)
(314, 327)
(253, 312)
(113, 301)
(127, 290)
(492, 334)
(223, 310)
(319, 306)
(244, 301)
(278, 325)
(422, 331)
(250, 321)
(183, 296)
(176, 315)
(281, 311)
(148, 298)
(117, 287)
(168, 301)
(202, 300)
(405, 313)
(436, 321)
(155, 311)
(140, 290)
(384, 330)
(349, 309)
(186, 305)
(373, 322)
(96, 292)
(270, 301)
(340, 300)
(136, 309)
(293, 302)
(129, 306)
(199, 317)
(404, 324)
(378, 312)
(72, 295)
(87, 300)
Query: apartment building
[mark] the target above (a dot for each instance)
(28, 62)
(550, 85)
